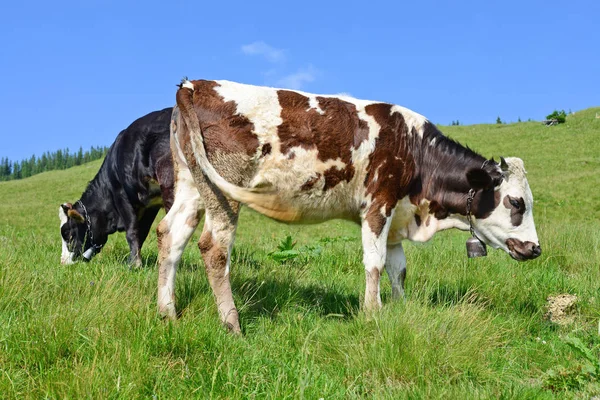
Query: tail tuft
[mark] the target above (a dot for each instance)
(185, 83)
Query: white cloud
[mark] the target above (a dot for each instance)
(261, 48)
(299, 78)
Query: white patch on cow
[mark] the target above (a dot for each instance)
(411, 118)
(432, 141)
(66, 256)
(289, 174)
(260, 105)
(314, 104)
(188, 84)
(404, 225)
(62, 216)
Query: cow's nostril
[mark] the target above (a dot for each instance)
(536, 250)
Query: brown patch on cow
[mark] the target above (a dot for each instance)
(428, 220)
(516, 212)
(193, 219)
(223, 128)
(164, 245)
(291, 155)
(266, 149)
(333, 176)
(75, 216)
(215, 261)
(438, 211)
(333, 134)
(205, 244)
(485, 202)
(391, 166)
(310, 182)
(185, 144)
(376, 220)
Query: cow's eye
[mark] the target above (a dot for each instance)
(515, 203)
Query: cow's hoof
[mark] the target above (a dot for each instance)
(398, 294)
(232, 322)
(233, 329)
(167, 312)
(135, 263)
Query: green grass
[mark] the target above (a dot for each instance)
(468, 328)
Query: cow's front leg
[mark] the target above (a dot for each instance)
(395, 265)
(375, 227)
(133, 239)
(132, 235)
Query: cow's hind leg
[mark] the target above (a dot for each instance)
(173, 233)
(395, 265)
(375, 229)
(215, 245)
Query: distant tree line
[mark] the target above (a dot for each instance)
(61, 159)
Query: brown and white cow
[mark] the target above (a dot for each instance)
(299, 157)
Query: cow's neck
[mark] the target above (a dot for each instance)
(440, 188)
(100, 209)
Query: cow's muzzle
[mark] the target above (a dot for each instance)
(522, 251)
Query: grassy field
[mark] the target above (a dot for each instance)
(468, 328)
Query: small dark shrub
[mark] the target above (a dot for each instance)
(560, 116)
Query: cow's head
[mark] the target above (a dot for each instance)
(510, 224)
(74, 234)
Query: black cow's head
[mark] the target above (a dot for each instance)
(75, 233)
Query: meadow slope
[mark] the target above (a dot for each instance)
(468, 328)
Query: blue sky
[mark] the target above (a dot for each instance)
(76, 73)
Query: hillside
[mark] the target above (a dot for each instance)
(468, 328)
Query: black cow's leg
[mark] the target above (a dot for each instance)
(132, 236)
(132, 233)
(144, 225)
(395, 266)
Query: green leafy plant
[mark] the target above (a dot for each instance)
(285, 250)
(561, 378)
(560, 116)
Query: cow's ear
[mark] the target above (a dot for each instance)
(66, 207)
(479, 179)
(74, 215)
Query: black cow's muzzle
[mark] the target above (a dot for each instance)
(523, 251)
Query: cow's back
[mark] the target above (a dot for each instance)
(313, 149)
(139, 162)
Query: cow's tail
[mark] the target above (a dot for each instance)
(269, 203)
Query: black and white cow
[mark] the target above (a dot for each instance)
(133, 183)
(299, 157)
